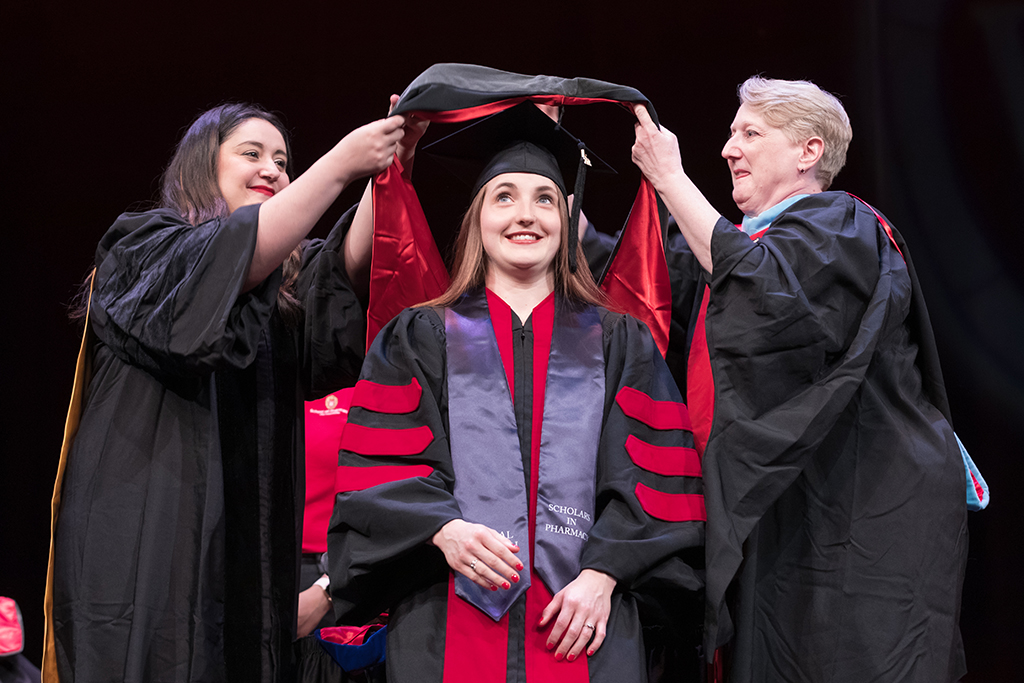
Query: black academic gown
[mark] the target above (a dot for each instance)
(177, 538)
(837, 535)
(379, 539)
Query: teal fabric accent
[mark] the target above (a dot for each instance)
(752, 224)
(975, 501)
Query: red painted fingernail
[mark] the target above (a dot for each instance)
(558, 656)
(570, 657)
(493, 587)
(515, 578)
(550, 645)
(590, 653)
(519, 566)
(505, 585)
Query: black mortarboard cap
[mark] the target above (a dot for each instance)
(521, 139)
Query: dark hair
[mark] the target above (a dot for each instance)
(469, 266)
(189, 184)
(189, 187)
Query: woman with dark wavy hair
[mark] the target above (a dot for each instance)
(175, 516)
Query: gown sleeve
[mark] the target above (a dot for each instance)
(334, 325)
(168, 295)
(793, 322)
(794, 300)
(685, 274)
(649, 529)
(395, 472)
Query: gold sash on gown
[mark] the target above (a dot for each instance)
(83, 372)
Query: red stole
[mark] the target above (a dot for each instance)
(476, 648)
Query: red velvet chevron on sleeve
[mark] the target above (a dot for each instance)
(358, 478)
(379, 441)
(672, 507)
(384, 398)
(655, 414)
(667, 461)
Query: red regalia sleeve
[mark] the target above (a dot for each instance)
(406, 268)
(648, 471)
(636, 279)
(383, 441)
(395, 476)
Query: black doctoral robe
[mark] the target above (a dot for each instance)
(837, 530)
(379, 539)
(177, 539)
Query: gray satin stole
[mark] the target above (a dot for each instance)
(490, 484)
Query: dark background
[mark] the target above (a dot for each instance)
(97, 94)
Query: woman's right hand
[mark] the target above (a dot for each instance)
(370, 149)
(656, 153)
(357, 245)
(414, 129)
(479, 553)
(656, 150)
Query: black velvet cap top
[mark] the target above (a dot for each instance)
(521, 139)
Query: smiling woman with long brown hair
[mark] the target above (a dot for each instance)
(174, 551)
(522, 525)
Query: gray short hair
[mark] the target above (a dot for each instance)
(802, 110)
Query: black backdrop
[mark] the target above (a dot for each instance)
(97, 94)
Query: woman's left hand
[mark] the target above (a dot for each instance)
(582, 608)
(314, 604)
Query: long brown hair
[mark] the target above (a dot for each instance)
(469, 265)
(189, 187)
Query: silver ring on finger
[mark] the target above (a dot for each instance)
(590, 626)
(472, 565)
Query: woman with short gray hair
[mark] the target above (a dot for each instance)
(837, 529)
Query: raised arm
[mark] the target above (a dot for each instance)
(358, 244)
(288, 216)
(656, 152)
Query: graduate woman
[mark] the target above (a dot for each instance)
(540, 484)
(175, 532)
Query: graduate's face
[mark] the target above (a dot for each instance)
(520, 225)
(764, 163)
(251, 164)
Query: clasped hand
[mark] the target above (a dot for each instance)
(479, 553)
(578, 613)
